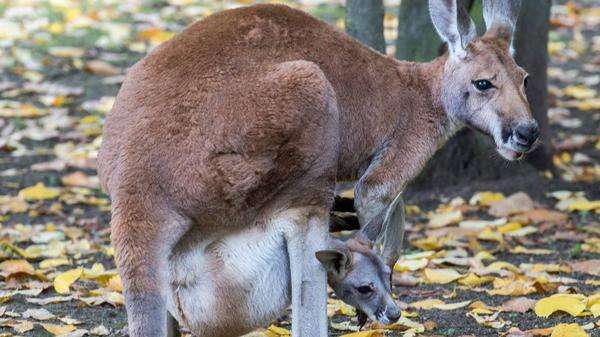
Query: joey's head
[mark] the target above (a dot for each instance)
(482, 86)
(360, 278)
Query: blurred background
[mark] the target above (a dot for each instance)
(62, 63)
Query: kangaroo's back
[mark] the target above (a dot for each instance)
(183, 87)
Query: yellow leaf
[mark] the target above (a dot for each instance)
(579, 92)
(584, 206)
(114, 298)
(481, 224)
(568, 330)
(337, 307)
(481, 311)
(410, 265)
(490, 235)
(403, 324)
(594, 304)
(573, 304)
(441, 276)
(155, 35)
(438, 220)
(52, 263)
(66, 52)
(275, 331)
(532, 251)
(39, 192)
(63, 282)
(58, 330)
(502, 265)
(509, 227)
(452, 306)
(485, 198)
(115, 283)
(472, 280)
(512, 287)
(13, 267)
(12, 205)
(366, 333)
(427, 304)
(484, 255)
(428, 243)
(412, 209)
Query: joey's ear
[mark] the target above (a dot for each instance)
(454, 25)
(335, 261)
(501, 16)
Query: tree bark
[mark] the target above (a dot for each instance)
(531, 53)
(469, 154)
(364, 22)
(417, 39)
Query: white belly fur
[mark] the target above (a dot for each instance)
(254, 261)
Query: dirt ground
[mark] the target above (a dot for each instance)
(55, 136)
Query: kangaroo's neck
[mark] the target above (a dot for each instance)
(395, 102)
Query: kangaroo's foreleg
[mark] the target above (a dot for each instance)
(308, 277)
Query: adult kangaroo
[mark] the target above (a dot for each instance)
(246, 120)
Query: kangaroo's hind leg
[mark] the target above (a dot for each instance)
(143, 238)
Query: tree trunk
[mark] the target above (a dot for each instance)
(417, 39)
(531, 53)
(469, 154)
(364, 22)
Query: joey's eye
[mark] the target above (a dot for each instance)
(366, 289)
(483, 85)
(526, 81)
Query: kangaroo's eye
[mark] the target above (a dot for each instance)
(526, 81)
(364, 289)
(483, 85)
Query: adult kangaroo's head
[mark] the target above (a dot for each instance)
(482, 86)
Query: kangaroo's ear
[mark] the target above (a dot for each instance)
(501, 16)
(335, 261)
(454, 25)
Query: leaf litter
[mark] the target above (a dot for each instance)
(506, 262)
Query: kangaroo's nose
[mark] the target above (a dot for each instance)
(393, 314)
(526, 134)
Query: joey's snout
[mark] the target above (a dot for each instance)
(392, 313)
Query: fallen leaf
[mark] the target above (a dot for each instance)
(472, 280)
(38, 314)
(275, 331)
(410, 265)
(441, 276)
(58, 330)
(519, 304)
(23, 326)
(63, 281)
(427, 304)
(568, 330)
(591, 267)
(366, 333)
(437, 220)
(101, 68)
(80, 179)
(485, 198)
(39, 192)
(100, 330)
(10, 268)
(516, 203)
(573, 304)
